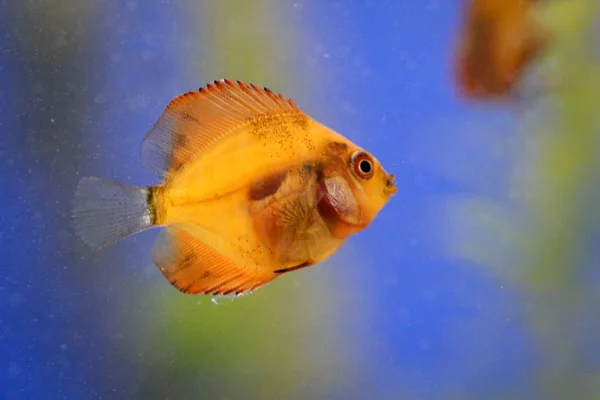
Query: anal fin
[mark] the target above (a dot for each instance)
(194, 267)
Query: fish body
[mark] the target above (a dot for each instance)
(252, 188)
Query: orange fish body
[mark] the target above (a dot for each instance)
(253, 188)
(498, 40)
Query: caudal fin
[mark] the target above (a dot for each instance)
(105, 212)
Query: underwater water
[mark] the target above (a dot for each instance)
(478, 280)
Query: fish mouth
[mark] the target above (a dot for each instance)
(390, 184)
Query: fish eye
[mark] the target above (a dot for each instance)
(362, 165)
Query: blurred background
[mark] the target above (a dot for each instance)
(479, 280)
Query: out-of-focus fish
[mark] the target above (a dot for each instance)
(498, 39)
(253, 188)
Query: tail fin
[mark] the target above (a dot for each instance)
(105, 212)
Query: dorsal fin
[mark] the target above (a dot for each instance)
(194, 121)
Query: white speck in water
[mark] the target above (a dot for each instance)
(52, 120)
(215, 302)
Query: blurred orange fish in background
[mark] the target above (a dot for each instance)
(499, 38)
(253, 188)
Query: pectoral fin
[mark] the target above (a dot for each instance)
(339, 208)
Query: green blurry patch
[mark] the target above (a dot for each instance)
(538, 236)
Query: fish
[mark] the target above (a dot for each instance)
(252, 188)
(497, 41)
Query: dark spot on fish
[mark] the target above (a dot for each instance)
(184, 289)
(338, 147)
(312, 169)
(188, 117)
(306, 263)
(277, 127)
(187, 288)
(180, 141)
(174, 164)
(150, 204)
(318, 172)
(266, 186)
(188, 261)
(300, 120)
(269, 125)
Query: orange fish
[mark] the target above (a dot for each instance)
(252, 188)
(498, 40)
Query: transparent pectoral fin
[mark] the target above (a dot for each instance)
(339, 197)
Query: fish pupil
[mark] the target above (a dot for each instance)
(365, 166)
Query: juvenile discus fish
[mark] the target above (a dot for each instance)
(252, 188)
